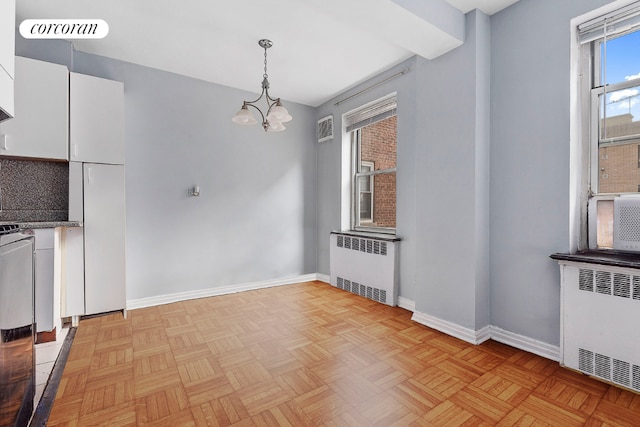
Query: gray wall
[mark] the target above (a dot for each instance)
(256, 216)
(453, 181)
(255, 219)
(530, 53)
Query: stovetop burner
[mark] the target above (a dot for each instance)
(9, 228)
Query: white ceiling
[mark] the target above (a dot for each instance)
(320, 47)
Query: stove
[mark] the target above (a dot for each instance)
(17, 325)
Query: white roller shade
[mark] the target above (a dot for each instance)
(618, 22)
(371, 114)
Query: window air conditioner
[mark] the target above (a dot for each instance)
(626, 223)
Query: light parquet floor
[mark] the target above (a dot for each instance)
(312, 355)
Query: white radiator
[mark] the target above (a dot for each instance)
(601, 322)
(365, 266)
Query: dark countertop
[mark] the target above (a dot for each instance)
(602, 257)
(43, 224)
(369, 235)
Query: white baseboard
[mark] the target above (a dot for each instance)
(323, 278)
(521, 342)
(223, 290)
(525, 343)
(449, 328)
(407, 304)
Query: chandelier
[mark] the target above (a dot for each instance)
(276, 114)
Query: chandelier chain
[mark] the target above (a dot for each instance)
(265, 63)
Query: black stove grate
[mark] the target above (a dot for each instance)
(9, 228)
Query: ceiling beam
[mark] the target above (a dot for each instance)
(426, 28)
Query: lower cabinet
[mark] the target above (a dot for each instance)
(72, 298)
(95, 253)
(44, 289)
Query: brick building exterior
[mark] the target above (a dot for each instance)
(378, 146)
(619, 163)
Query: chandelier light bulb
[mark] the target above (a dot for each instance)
(279, 113)
(275, 126)
(244, 117)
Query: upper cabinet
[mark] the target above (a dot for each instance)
(96, 120)
(7, 49)
(40, 127)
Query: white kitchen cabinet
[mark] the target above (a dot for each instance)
(99, 258)
(7, 49)
(96, 120)
(44, 287)
(104, 238)
(72, 289)
(40, 127)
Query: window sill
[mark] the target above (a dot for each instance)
(371, 235)
(602, 257)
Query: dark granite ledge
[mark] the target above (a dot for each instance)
(33, 215)
(603, 257)
(43, 224)
(369, 235)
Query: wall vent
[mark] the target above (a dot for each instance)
(585, 361)
(375, 294)
(635, 382)
(369, 246)
(325, 129)
(609, 368)
(586, 280)
(621, 285)
(603, 282)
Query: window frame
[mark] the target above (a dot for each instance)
(356, 174)
(592, 87)
(596, 142)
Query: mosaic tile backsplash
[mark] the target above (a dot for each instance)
(32, 191)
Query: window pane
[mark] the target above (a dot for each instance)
(618, 170)
(622, 58)
(620, 115)
(365, 183)
(364, 195)
(378, 144)
(377, 204)
(618, 155)
(365, 208)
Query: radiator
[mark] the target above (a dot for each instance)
(365, 266)
(601, 322)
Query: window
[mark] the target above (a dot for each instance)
(365, 192)
(373, 130)
(611, 101)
